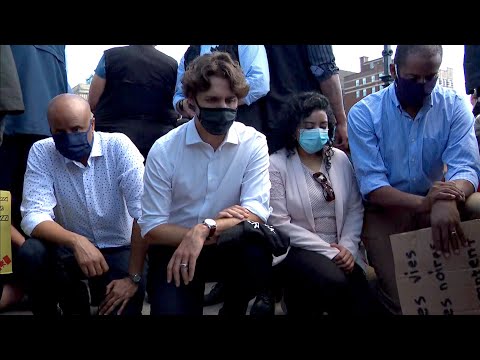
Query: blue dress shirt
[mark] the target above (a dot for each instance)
(389, 148)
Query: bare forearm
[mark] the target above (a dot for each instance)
(332, 89)
(138, 252)
(466, 186)
(51, 231)
(388, 196)
(166, 234)
(17, 238)
(95, 92)
(227, 223)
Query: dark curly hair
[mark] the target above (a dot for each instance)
(197, 75)
(298, 108)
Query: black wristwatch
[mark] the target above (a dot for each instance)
(136, 278)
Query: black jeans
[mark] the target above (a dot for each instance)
(51, 275)
(244, 267)
(314, 284)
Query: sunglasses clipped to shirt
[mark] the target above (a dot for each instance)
(328, 192)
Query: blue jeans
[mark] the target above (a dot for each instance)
(52, 276)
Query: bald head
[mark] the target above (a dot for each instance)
(68, 112)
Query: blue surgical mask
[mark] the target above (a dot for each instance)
(74, 146)
(313, 140)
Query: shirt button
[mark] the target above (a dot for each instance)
(412, 140)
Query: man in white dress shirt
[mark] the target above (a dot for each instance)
(81, 202)
(202, 179)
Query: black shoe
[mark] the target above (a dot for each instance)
(264, 304)
(215, 296)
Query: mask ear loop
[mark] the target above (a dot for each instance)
(194, 110)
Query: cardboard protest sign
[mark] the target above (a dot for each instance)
(5, 236)
(430, 284)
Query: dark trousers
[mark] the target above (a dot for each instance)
(314, 284)
(244, 267)
(51, 275)
(13, 159)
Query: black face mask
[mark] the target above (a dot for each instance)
(411, 93)
(216, 121)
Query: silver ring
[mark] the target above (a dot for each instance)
(184, 265)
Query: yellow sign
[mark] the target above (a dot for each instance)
(5, 235)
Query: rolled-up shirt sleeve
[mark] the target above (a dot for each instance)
(322, 61)
(367, 161)
(38, 192)
(254, 62)
(461, 154)
(255, 193)
(130, 179)
(157, 190)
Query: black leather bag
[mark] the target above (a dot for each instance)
(277, 241)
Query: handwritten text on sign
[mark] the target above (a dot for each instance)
(429, 283)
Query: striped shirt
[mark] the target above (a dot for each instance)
(322, 61)
(389, 148)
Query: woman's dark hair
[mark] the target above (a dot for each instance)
(298, 108)
(197, 75)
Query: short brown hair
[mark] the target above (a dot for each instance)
(197, 75)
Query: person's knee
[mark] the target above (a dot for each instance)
(337, 282)
(32, 254)
(472, 206)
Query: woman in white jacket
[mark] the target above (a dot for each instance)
(316, 201)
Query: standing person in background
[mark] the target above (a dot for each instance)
(254, 63)
(11, 99)
(43, 75)
(300, 68)
(471, 68)
(131, 93)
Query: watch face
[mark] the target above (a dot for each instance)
(136, 278)
(210, 223)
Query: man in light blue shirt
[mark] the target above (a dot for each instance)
(401, 140)
(254, 63)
